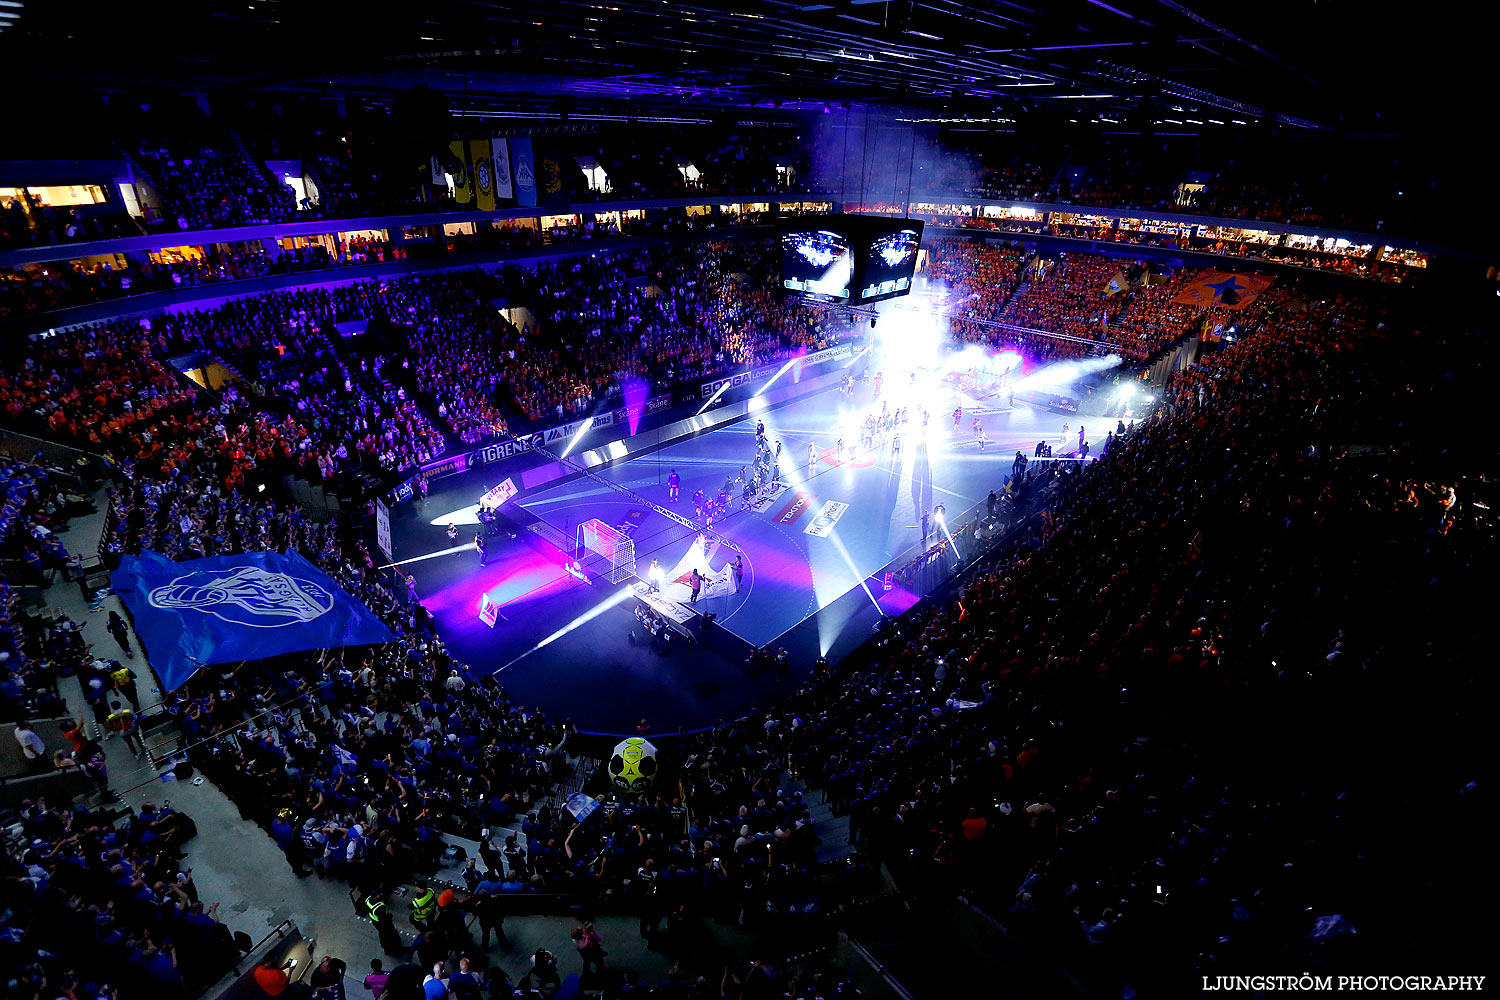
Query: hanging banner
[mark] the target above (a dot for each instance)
(484, 180)
(549, 169)
(383, 529)
(525, 171)
(500, 167)
(461, 192)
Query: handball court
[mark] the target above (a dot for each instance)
(814, 554)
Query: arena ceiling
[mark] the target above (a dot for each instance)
(1299, 64)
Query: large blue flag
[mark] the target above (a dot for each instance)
(230, 608)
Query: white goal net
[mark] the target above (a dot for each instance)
(982, 384)
(604, 551)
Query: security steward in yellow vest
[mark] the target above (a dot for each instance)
(385, 925)
(424, 907)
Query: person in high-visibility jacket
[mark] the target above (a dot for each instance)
(424, 907)
(385, 925)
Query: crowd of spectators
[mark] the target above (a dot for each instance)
(1019, 180)
(26, 221)
(1070, 295)
(58, 284)
(96, 902)
(747, 323)
(1398, 266)
(1151, 317)
(978, 282)
(103, 907)
(596, 322)
(1154, 597)
(1066, 295)
(109, 389)
(1052, 740)
(444, 356)
(34, 507)
(206, 184)
(321, 404)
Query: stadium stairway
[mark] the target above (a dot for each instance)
(313, 170)
(256, 166)
(1021, 286)
(832, 829)
(245, 870)
(142, 178)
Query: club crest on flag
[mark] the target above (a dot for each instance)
(247, 595)
(250, 606)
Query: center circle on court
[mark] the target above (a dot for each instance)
(864, 461)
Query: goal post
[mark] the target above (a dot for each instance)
(605, 551)
(982, 384)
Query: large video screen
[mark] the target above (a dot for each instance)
(817, 262)
(891, 259)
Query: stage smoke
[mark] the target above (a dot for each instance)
(1061, 374)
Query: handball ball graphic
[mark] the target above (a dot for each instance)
(633, 765)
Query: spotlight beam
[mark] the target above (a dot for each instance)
(620, 597)
(784, 369)
(583, 428)
(943, 523)
(717, 393)
(452, 550)
(839, 548)
(863, 351)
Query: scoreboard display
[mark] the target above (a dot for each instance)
(891, 259)
(817, 262)
(850, 259)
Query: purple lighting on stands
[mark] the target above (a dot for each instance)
(636, 393)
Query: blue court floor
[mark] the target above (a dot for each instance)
(872, 500)
(563, 644)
